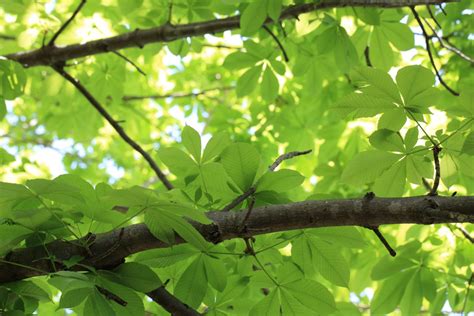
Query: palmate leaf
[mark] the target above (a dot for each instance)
(362, 105)
(215, 146)
(389, 294)
(138, 276)
(248, 81)
(280, 180)
(191, 286)
(241, 162)
(192, 141)
(412, 81)
(380, 83)
(392, 181)
(165, 257)
(253, 17)
(269, 85)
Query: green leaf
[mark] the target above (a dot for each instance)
(411, 138)
(412, 299)
(248, 81)
(184, 229)
(12, 81)
(345, 53)
(329, 262)
(388, 295)
(138, 276)
(380, 52)
(127, 6)
(192, 141)
(57, 192)
(370, 16)
(96, 304)
(392, 120)
(240, 60)
(253, 17)
(380, 83)
(399, 34)
(413, 80)
(387, 140)
(29, 289)
(343, 236)
(468, 146)
(269, 85)
(3, 108)
(177, 161)
(165, 257)
(12, 195)
(215, 146)
(274, 9)
(268, 306)
(241, 162)
(418, 168)
(5, 157)
(279, 181)
(388, 266)
(216, 273)
(367, 166)
(312, 295)
(75, 296)
(191, 286)
(392, 181)
(362, 105)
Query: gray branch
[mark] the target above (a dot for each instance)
(226, 225)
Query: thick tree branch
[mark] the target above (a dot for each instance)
(263, 220)
(116, 125)
(51, 55)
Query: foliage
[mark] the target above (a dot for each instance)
(354, 85)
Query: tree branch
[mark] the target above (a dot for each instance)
(176, 95)
(50, 55)
(93, 101)
(170, 303)
(226, 225)
(65, 25)
(430, 54)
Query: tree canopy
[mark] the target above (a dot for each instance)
(236, 157)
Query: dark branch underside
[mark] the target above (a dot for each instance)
(51, 55)
(267, 219)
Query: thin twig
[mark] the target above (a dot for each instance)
(384, 241)
(93, 101)
(465, 233)
(434, 190)
(449, 46)
(7, 37)
(111, 296)
(176, 95)
(369, 196)
(65, 25)
(272, 167)
(440, 6)
(130, 62)
(468, 288)
(247, 215)
(433, 17)
(287, 156)
(367, 56)
(170, 11)
(280, 45)
(430, 55)
(222, 46)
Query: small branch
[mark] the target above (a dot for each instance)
(7, 37)
(286, 156)
(171, 303)
(280, 45)
(384, 241)
(176, 95)
(436, 150)
(247, 215)
(65, 25)
(170, 11)
(366, 200)
(111, 296)
(465, 233)
(93, 101)
(130, 62)
(468, 288)
(272, 167)
(433, 17)
(449, 47)
(367, 56)
(430, 55)
(222, 46)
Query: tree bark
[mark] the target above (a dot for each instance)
(52, 55)
(109, 249)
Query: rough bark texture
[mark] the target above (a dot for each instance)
(109, 249)
(51, 55)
